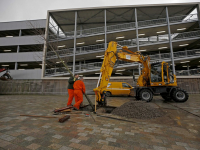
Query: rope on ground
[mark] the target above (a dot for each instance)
(115, 118)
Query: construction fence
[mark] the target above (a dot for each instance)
(59, 87)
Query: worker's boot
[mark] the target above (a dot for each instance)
(81, 105)
(74, 108)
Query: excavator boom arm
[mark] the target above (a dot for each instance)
(110, 57)
(106, 69)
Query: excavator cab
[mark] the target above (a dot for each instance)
(156, 74)
(161, 75)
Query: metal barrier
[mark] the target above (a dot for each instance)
(88, 67)
(183, 18)
(188, 72)
(119, 27)
(180, 54)
(86, 49)
(152, 22)
(124, 26)
(130, 43)
(163, 38)
(174, 36)
(49, 87)
(185, 35)
(59, 87)
(79, 50)
(97, 65)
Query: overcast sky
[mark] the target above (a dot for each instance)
(16, 10)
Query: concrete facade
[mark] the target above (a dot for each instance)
(80, 29)
(168, 32)
(21, 48)
(59, 86)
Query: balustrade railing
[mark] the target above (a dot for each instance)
(70, 51)
(188, 72)
(97, 65)
(129, 43)
(185, 35)
(119, 27)
(183, 18)
(152, 22)
(124, 26)
(180, 54)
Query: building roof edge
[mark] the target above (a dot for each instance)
(120, 6)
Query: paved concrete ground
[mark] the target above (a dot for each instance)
(178, 129)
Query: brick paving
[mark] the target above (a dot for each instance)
(177, 130)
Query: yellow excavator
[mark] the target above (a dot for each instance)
(154, 79)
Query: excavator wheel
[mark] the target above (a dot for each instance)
(103, 101)
(165, 96)
(146, 95)
(138, 98)
(180, 96)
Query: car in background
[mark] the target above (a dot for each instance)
(118, 88)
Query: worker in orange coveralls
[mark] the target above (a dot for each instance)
(71, 89)
(79, 90)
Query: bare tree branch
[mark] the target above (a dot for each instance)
(52, 46)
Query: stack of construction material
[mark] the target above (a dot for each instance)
(64, 118)
(138, 110)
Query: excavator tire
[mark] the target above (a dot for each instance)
(146, 95)
(138, 98)
(165, 96)
(103, 101)
(180, 96)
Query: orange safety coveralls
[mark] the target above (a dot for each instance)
(71, 96)
(70, 90)
(79, 89)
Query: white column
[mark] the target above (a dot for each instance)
(159, 55)
(80, 65)
(20, 32)
(170, 42)
(58, 32)
(18, 48)
(105, 30)
(75, 26)
(16, 65)
(81, 29)
(45, 46)
(188, 68)
(198, 13)
(137, 39)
